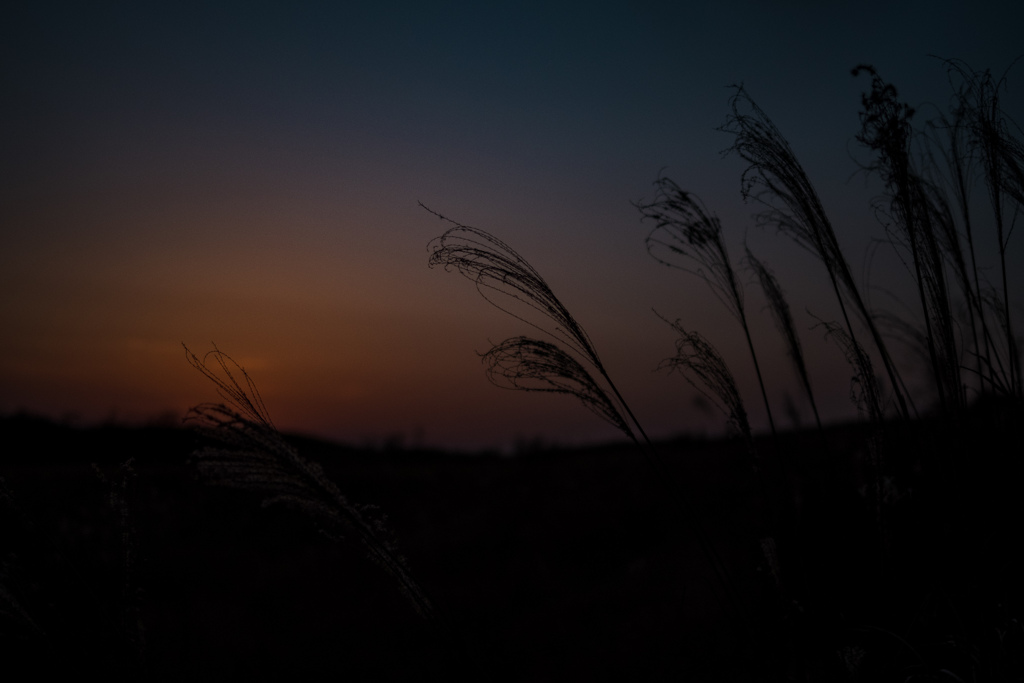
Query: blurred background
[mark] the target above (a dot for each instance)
(248, 174)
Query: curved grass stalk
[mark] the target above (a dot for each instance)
(915, 213)
(1001, 154)
(505, 279)
(536, 365)
(685, 230)
(777, 180)
(866, 394)
(252, 455)
(706, 371)
(499, 272)
(865, 391)
(956, 158)
(784, 322)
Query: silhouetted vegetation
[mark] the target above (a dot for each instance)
(903, 492)
(881, 550)
(252, 455)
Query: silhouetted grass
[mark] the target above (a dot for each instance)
(880, 532)
(886, 550)
(253, 456)
(505, 279)
(784, 322)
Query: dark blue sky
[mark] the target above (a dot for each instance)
(248, 173)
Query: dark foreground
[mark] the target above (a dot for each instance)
(551, 566)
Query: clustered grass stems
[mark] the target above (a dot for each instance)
(688, 237)
(252, 455)
(506, 280)
(684, 231)
(953, 148)
(912, 216)
(960, 157)
(979, 144)
(1001, 155)
(920, 221)
(777, 180)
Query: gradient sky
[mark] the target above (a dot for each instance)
(248, 174)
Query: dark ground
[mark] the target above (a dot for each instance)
(548, 566)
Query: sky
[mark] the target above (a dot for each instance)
(249, 175)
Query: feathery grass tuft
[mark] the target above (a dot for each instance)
(686, 231)
(777, 180)
(253, 456)
(506, 280)
(535, 365)
(705, 369)
(502, 275)
(1001, 155)
(914, 208)
(926, 212)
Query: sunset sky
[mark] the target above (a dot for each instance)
(247, 174)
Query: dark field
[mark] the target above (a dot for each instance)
(547, 566)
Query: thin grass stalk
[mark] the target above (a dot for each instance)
(776, 179)
(505, 279)
(946, 232)
(936, 222)
(989, 140)
(688, 237)
(688, 232)
(501, 274)
(958, 159)
(1000, 155)
(704, 369)
(252, 455)
(958, 170)
(866, 394)
(999, 374)
(784, 322)
(994, 304)
(886, 129)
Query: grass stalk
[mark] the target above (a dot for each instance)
(776, 180)
(252, 455)
(507, 281)
(784, 323)
(684, 231)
